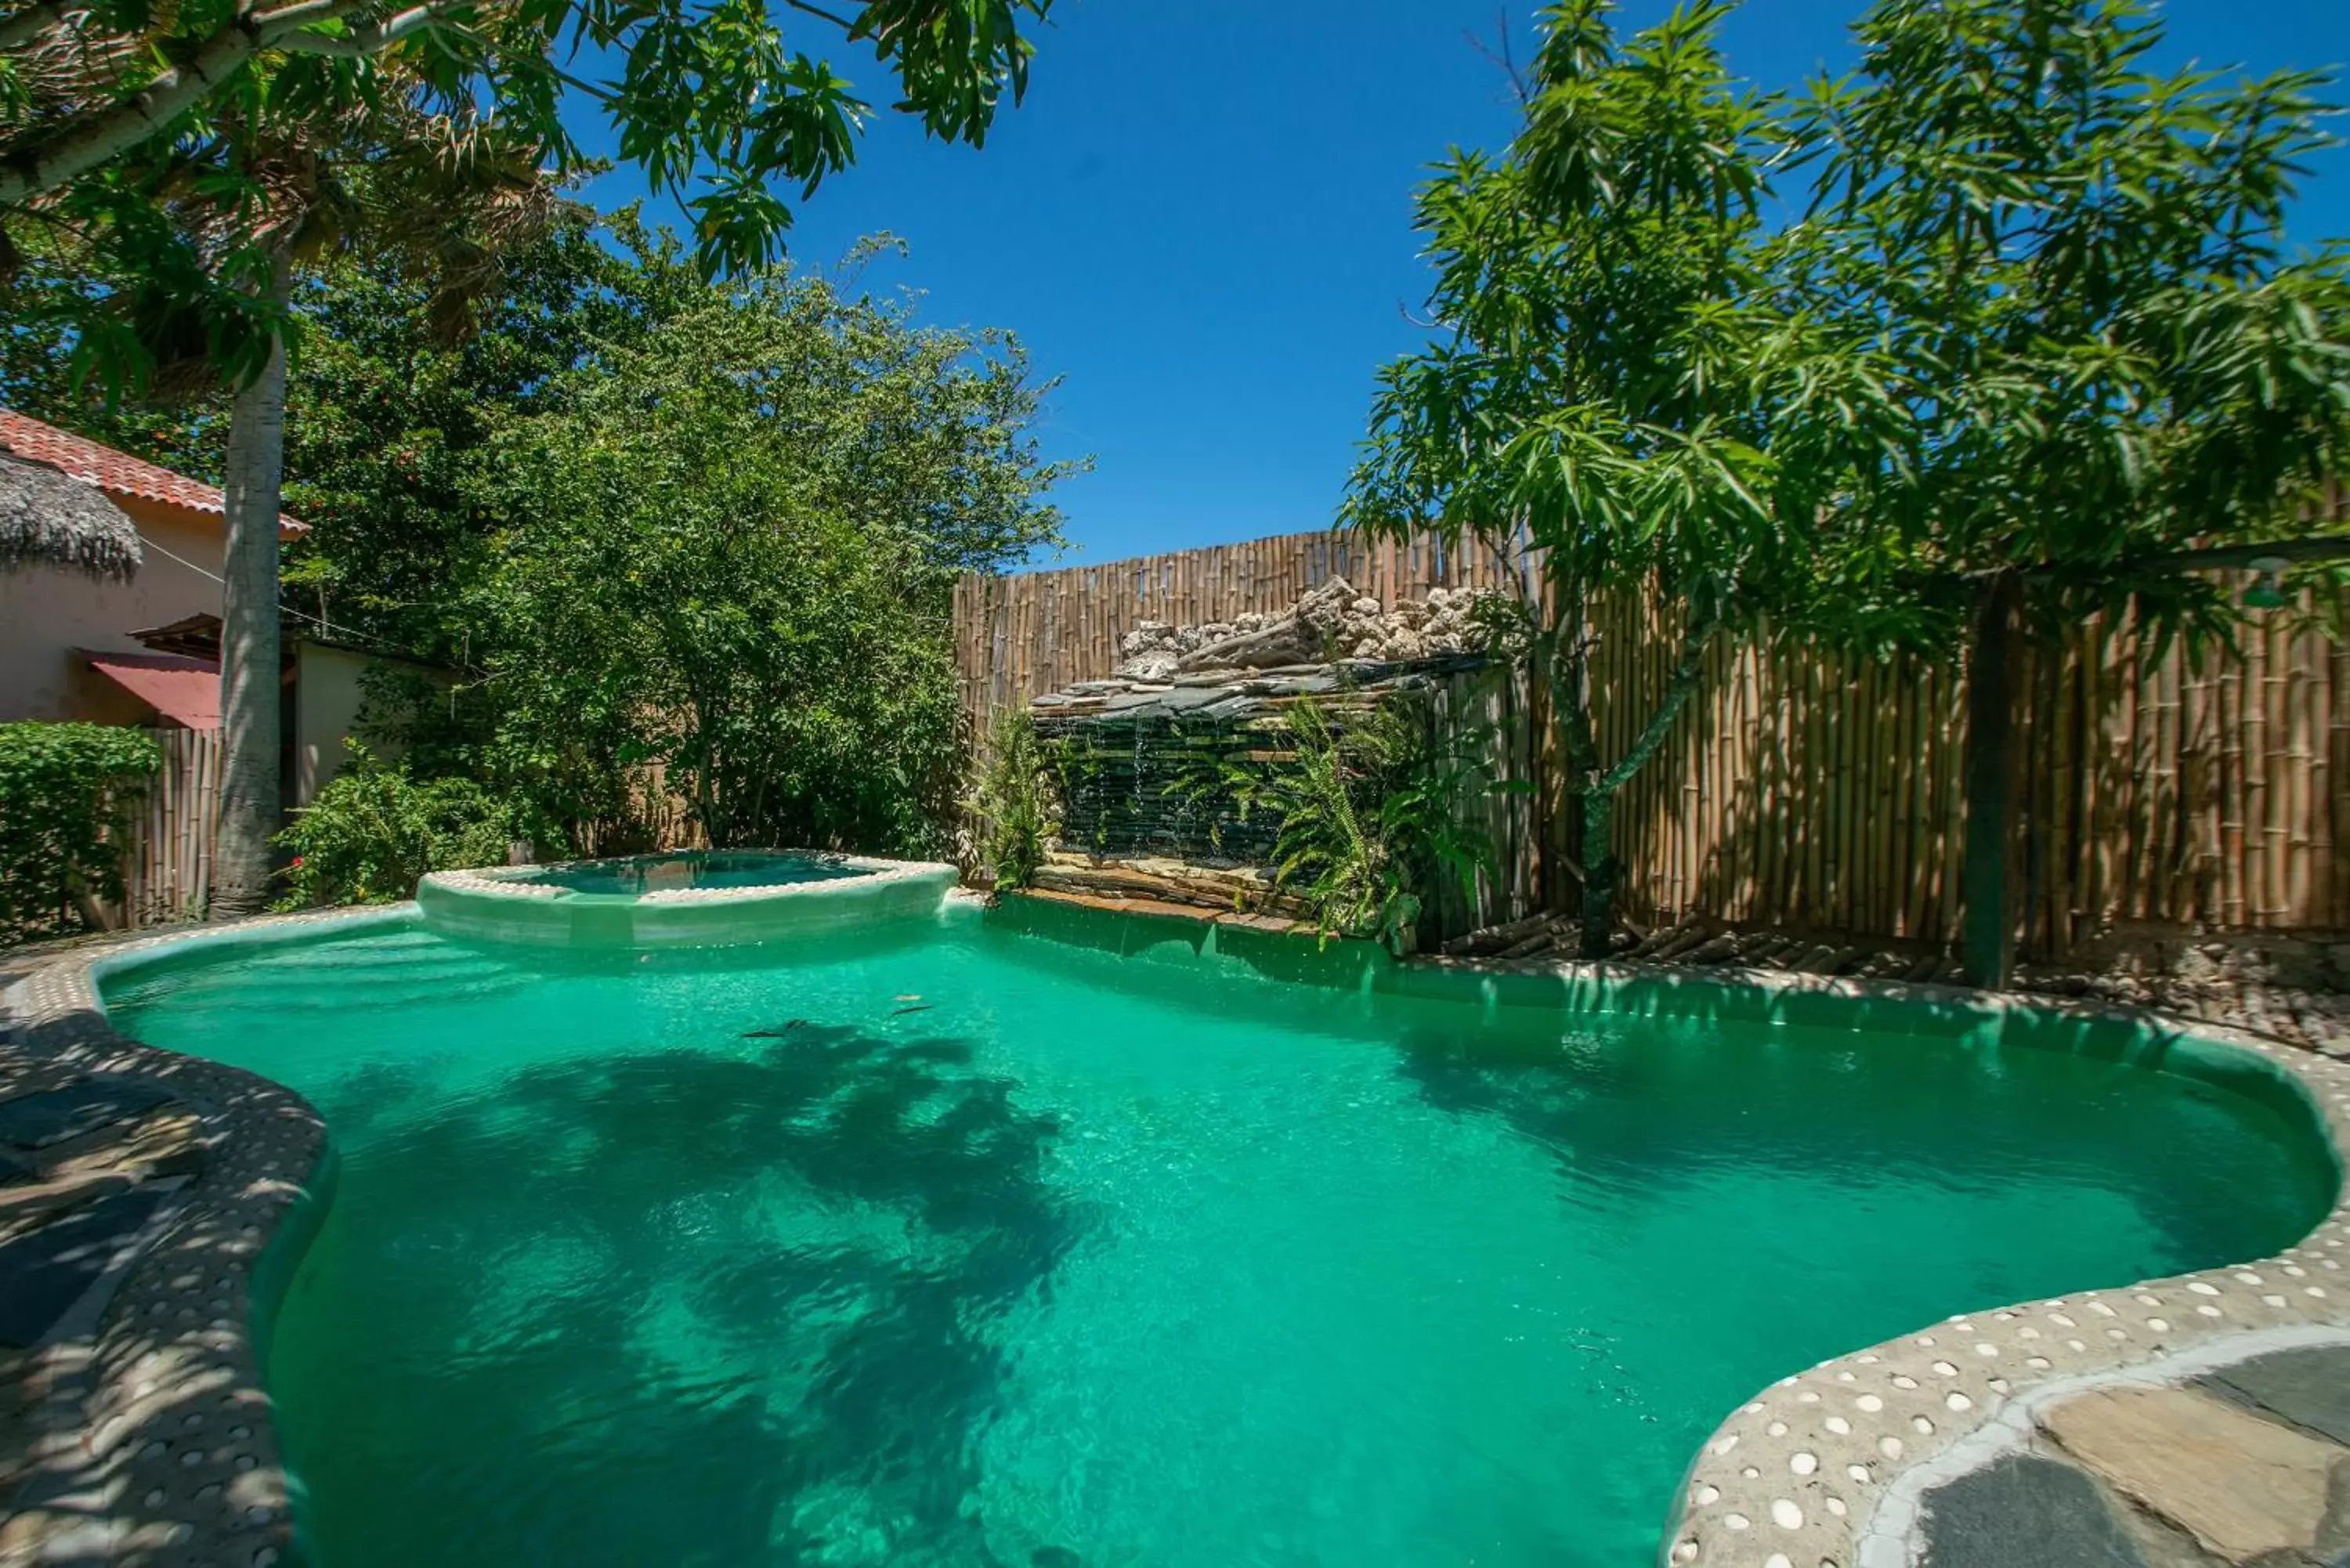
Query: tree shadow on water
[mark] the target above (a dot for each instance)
(665, 1306)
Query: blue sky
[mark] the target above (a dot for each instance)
(1201, 219)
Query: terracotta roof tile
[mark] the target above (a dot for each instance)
(118, 474)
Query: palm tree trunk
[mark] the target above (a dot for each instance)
(251, 784)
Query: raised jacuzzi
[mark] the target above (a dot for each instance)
(705, 898)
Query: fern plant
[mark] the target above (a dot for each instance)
(1371, 812)
(1013, 810)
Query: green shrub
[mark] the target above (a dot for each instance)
(1012, 819)
(373, 831)
(66, 796)
(1372, 813)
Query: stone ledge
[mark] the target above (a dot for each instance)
(1140, 904)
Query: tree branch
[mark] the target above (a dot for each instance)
(1509, 66)
(843, 23)
(2313, 547)
(80, 147)
(357, 43)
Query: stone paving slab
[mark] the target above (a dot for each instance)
(31, 1121)
(2183, 1474)
(44, 1271)
(2024, 1511)
(166, 1141)
(2244, 1488)
(2310, 1388)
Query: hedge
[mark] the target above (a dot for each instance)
(66, 791)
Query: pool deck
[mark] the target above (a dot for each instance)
(2192, 1422)
(134, 1426)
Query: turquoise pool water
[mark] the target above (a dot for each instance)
(677, 873)
(957, 1247)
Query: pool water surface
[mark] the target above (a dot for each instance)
(690, 870)
(952, 1246)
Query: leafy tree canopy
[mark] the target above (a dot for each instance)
(114, 115)
(2003, 299)
(729, 547)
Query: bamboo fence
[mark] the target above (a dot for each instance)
(167, 860)
(1020, 637)
(168, 863)
(1817, 790)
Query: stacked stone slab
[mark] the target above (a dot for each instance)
(1331, 623)
(1153, 770)
(1153, 758)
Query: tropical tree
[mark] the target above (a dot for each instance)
(1597, 398)
(730, 547)
(2014, 310)
(2088, 367)
(116, 118)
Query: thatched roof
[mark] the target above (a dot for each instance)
(49, 519)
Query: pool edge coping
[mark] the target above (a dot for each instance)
(1807, 1504)
(167, 1396)
(1821, 1498)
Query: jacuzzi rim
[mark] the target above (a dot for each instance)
(59, 1012)
(509, 882)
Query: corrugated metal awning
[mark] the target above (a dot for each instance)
(185, 690)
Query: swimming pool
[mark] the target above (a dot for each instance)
(950, 1244)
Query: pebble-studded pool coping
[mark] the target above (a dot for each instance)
(152, 1444)
(169, 1458)
(1828, 1467)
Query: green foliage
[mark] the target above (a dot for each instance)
(1373, 812)
(2029, 312)
(1012, 807)
(115, 118)
(374, 832)
(507, 506)
(389, 424)
(729, 548)
(2033, 313)
(66, 794)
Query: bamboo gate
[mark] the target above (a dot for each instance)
(1818, 792)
